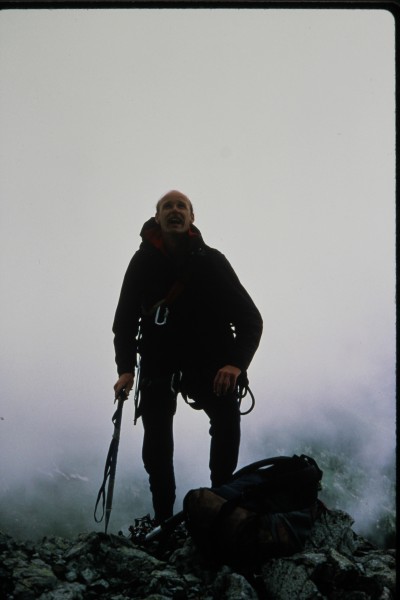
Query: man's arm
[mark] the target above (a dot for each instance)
(245, 318)
(126, 325)
(241, 312)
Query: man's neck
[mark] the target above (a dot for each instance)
(176, 244)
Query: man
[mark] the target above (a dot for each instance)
(199, 330)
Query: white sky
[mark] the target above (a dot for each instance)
(279, 125)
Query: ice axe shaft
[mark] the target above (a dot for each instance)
(110, 466)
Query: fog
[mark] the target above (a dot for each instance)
(280, 127)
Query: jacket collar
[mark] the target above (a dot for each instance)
(151, 234)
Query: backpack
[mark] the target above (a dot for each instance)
(266, 510)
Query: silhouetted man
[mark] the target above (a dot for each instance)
(199, 330)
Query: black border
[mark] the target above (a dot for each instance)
(390, 5)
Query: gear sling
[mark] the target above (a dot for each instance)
(161, 312)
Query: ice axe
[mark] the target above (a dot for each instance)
(111, 465)
(166, 527)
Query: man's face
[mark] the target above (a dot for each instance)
(174, 214)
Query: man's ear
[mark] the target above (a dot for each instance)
(156, 218)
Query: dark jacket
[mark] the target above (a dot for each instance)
(212, 320)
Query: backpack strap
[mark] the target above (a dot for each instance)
(282, 463)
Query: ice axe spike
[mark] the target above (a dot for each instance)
(166, 526)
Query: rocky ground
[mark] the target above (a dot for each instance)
(336, 564)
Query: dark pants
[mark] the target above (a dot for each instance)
(157, 409)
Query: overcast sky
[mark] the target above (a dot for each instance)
(280, 127)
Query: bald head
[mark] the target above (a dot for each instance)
(175, 195)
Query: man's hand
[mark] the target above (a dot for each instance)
(125, 382)
(225, 380)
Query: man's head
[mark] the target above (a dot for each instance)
(174, 213)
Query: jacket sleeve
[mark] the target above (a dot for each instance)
(127, 315)
(242, 313)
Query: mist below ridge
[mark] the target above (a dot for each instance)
(56, 495)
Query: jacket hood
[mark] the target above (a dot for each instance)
(151, 233)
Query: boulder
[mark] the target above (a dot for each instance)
(335, 564)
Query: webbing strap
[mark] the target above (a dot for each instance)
(242, 393)
(279, 460)
(175, 291)
(101, 496)
(111, 460)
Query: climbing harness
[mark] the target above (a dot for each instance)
(242, 389)
(161, 311)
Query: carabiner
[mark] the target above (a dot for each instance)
(157, 317)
